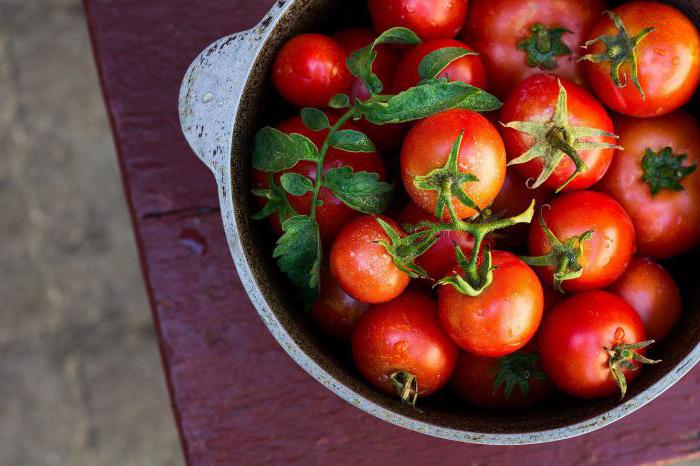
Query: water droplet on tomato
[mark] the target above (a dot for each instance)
(401, 346)
(676, 60)
(661, 52)
(619, 333)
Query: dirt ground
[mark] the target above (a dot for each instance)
(80, 375)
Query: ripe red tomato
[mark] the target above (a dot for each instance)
(535, 100)
(403, 336)
(430, 19)
(515, 198)
(428, 145)
(468, 69)
(486, 382)
(667, 223)
(573, 338)
(503, 318)
(310, 69)
(387, 138)
(333, 214)
(605, 255)
(497, 27)
(362, 267)
(439, 260)
(336, 312)
(653, 293)
(668, 60)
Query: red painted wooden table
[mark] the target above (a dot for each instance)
(237, 397)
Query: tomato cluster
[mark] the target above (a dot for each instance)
(515, 251)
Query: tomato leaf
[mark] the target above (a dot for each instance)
(427, 99)
(296, 184)
(298, 253)
(361, 191)
(435, 62)
(352, 141)
(360, 62)
(276, 151)
(277, 202)
(339, 101)
(314, 119)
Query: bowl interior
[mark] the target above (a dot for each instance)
(261, 106)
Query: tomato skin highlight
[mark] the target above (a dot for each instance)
(606, 254)
(333, 214)
(534, 99)
(653, 293)
(668, 223)
(428, 145)
(310, 69)
(572, 338)
(335, 312)
(468, 69)
(503, 318)
(362, 267)
(495, 27)
(430, 19)
(403, 335)
(668, 60)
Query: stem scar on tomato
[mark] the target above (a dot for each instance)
(544, 45)
(622, 357)
(664, 170)
(556, 139)
(564, 256)
(620, 49)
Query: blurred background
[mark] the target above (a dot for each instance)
(81, 382)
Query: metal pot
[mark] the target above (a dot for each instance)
(224, 99)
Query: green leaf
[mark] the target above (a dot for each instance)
(296, 184)
(428, 99)
(276, 151)
(314, 119)
(339, 101)
(277, 202)
(298, 253)
(352, 141)
(360, 62)
(664, 170)
(361, 191)
(435, 62)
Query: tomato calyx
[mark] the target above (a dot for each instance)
(405, 250)
(556, 139)
(406, 386)
(448, 182)
(620, 49)
(564, 256)
(517, 370)
(476, 278)
(664, 170)
(622, 358)
(544, 45)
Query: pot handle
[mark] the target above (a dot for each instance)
(210, 95)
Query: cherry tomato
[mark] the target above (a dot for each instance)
(403, 339)
(336, 312)
(430, 19)
(605, 255)
(439, 260)
(574, 336)
(468, 69)
(497, 27)
(668, 60)
(503, 318)
(310, 69)
(387, 138)
(667, 223)
(512, 381)
(362, 267)
(535, 100)
(653, 293)
(515, 197)
(428, 145)
(333, 214)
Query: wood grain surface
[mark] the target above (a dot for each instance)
(237, 397)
